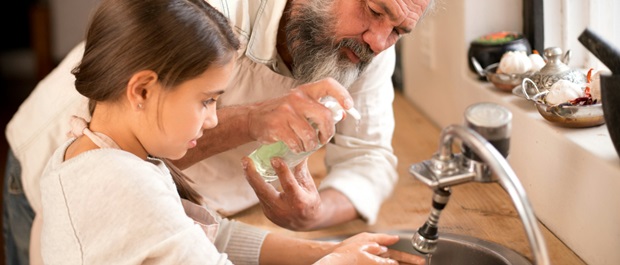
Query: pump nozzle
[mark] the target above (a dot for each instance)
(332, 104)
(354, 113)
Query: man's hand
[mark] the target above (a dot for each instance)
(286, 118)
(297, 206)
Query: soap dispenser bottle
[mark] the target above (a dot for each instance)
(262, 156)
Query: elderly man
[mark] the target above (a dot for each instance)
(286, 47)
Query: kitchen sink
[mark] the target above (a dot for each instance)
(454, 249)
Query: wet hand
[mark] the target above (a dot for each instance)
(386, 240)
(357, 253)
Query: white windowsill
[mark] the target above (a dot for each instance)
(594, 140)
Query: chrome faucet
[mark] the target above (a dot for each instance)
(482, 160)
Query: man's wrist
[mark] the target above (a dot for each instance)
(236, 121)
(335, 209)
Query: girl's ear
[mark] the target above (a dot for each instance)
(141, 88)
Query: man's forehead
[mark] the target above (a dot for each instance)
(404, 13)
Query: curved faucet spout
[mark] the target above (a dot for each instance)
(497, 164)
(506, 177)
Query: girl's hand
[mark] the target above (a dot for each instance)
(358, 253)
(369, 248)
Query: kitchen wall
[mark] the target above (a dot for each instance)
(436, 53)
(571, 175)
(68, 25)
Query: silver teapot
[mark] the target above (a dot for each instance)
(556, 69)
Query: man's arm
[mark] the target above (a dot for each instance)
(279, 119)
(360, 158)
(362, 166)
(231, 131)
(337, 209)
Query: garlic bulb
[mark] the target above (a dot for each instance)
(514, 62)
(563, 91)
(537, 62)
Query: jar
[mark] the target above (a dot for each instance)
(488, 49)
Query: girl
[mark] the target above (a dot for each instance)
(153, 71)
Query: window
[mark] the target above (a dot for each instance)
(565, 20)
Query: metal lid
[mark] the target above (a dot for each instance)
(556, 69)
(490, 120)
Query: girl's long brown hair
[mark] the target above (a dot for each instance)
(177, 39)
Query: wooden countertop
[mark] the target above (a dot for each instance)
(480, 210)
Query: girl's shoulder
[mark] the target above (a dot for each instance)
(104, 166)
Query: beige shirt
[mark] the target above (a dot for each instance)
(360, 161)
(108, 206)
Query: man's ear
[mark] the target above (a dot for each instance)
(141, 88)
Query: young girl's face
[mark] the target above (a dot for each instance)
(184, 112)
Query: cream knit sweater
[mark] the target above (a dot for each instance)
(107, 206)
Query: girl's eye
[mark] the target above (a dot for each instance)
(208, 102)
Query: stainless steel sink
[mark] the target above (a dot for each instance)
(453, 249)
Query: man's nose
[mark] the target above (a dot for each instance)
(379, 38)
